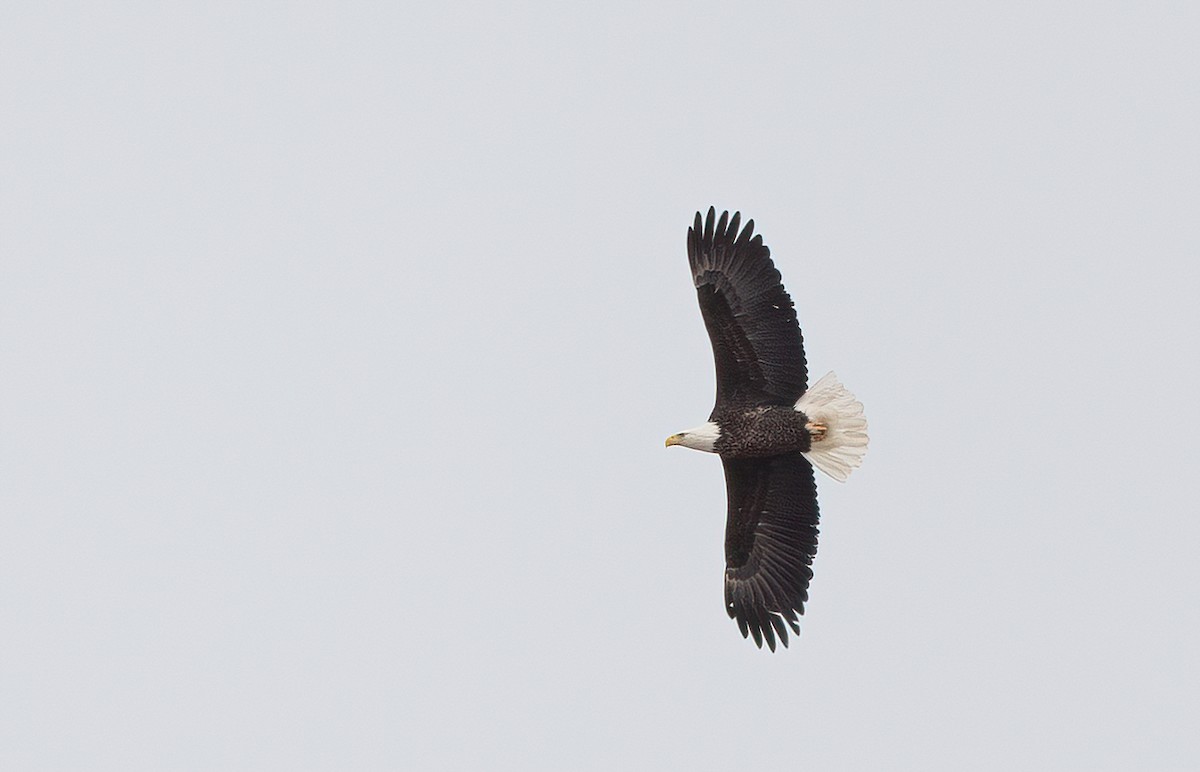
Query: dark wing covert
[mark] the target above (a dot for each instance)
(751, 321)
(770, 541)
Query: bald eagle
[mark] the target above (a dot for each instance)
(768, 427)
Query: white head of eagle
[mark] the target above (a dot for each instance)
(703, 437)
(768, 426)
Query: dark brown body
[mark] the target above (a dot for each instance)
(758, 432)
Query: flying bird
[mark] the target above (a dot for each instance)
(768, 426)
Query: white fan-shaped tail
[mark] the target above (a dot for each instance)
(841, 450)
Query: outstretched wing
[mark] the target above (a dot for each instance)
(756, 340)
(770, 541)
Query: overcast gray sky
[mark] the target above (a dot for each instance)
(339, 343)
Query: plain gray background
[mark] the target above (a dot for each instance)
(339, 343)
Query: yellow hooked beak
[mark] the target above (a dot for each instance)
(674, 439)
